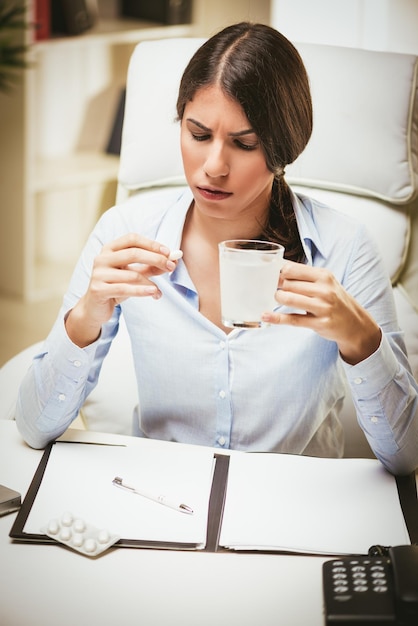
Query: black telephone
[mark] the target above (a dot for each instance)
(381, 588)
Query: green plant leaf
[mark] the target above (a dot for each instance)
(12, 54)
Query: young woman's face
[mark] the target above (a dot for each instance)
(223, 160)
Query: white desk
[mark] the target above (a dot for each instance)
(47, 585)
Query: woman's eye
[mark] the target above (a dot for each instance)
(198, 137)
(246, 146)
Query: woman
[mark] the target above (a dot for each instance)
(245, 111)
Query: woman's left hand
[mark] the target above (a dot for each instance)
(330, 310)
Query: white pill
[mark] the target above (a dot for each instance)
(90, 545)
(53, 527)
(103, 536)
(78, 540)
(67, 519)
(65, 534)
(79, 526)
(175, 255)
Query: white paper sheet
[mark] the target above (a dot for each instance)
(78, 479)
(285, 502)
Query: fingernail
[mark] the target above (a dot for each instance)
(164, 250)
(170, 266)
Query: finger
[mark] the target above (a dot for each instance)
(322, 308)
(119, 291)
(299, 320)
(316, 301)
(134, 274)
(105, 277)
(309, 289)
(134, 248)
(138, 259)
(145, 292)
(291, 319)
(135, 240)
(316, 283)
(299, 272)
(170, 265)
(123, 292)
(293, 300)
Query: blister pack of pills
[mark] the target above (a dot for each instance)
(77, 534)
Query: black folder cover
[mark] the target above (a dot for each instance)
(406, 486)
(215, 511)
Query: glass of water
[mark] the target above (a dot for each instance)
(249, 275)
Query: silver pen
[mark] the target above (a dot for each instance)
(161, 499)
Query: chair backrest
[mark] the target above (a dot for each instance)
(362, 157)
(363, 154)
(150, 148)
(365, 138)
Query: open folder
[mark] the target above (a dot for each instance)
(240, 501)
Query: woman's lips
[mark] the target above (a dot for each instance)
(213, 194)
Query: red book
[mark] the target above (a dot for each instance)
(42, 19)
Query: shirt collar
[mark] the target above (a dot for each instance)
(310, 237)
(170, 230)
(170, 233)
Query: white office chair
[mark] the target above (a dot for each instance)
(362, 159)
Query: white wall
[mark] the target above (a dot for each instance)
(374, 24)
(210, 16)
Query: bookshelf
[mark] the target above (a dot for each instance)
(56, 176)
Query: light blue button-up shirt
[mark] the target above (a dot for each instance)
(276, 389)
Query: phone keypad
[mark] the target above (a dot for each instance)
(357, 576)
(357, 589)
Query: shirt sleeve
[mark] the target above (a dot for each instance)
(383, 388)
(62, 375)
(385, 396)
(54, 388)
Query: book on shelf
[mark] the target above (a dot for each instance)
(73, 17)
(115, 138)
(164, 11)
(42, 19)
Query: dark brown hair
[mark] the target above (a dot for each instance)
(262, 70)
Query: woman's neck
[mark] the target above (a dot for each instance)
(214, 230)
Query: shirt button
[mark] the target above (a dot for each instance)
(222, 344)
(374, 419)
(61, 397)
(222, 441)
(77, 363)
(358, 381)
(222, 394)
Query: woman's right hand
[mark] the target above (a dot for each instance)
(122, 270)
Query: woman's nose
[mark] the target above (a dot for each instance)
(216, 163)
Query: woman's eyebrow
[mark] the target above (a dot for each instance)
(240, 133)
(199, 124)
